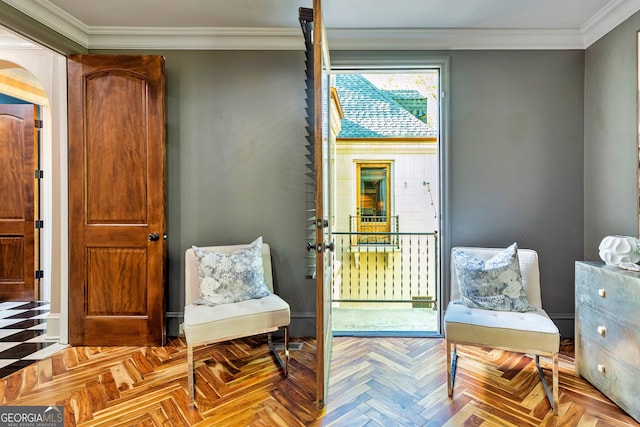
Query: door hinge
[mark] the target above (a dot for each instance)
(39, 224)
(39, 174)
(38, 124)
(39, 274)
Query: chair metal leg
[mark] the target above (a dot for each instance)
(286, 351)
(283, 364)
(556, 400)
(190, 379)
(451, 367)
(552, 395)
(449, 390)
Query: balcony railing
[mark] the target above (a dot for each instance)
(386, 267)
(374, 229)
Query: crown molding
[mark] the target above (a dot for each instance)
(195, 38)
(53, 17)
(610, 16)
(453, 39)
(606, 19)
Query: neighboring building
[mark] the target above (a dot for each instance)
(412, 101)
(387, 161)
(386, 181)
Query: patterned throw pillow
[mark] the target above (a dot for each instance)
(234, 277)
(495, 284)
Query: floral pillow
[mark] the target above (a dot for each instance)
(234, 277)
(495, 284)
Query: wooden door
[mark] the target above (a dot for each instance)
(117, 169)
(324, 272)
(17, 182)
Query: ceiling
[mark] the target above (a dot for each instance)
(351, 24)
(337, 13)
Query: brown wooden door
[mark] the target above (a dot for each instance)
(116, 199)
(322, 160)
(17, 272)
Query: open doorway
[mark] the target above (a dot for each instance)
(24, 295)
(37, 75)
(387, 203)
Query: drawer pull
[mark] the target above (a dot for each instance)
(602, 330)
(602, 292)
(602, 369)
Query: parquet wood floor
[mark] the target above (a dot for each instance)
(374, 382)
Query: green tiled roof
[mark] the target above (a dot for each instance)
(373, 113)
(411, 100)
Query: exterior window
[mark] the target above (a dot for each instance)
(373, 202)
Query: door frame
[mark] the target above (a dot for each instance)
(402, 62)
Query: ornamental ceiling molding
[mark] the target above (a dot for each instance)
(205, 38)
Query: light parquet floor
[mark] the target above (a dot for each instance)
(374, 382)
(402, 382)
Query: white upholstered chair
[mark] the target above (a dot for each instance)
(205, 324)
(531, 332)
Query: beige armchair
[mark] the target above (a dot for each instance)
(205, 324)
(530, 332)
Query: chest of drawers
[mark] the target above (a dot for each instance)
(607, 334)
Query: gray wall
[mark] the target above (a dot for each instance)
(236, 161)
(235, 136)
(542, 152)
(610, 153)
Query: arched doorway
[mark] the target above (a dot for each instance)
(38, 75)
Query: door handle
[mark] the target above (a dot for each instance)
(319, 246)
(154, 237)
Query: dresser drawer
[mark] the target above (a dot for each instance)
(609, 290)
(617, 381)
(604, 331)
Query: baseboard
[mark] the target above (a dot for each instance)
(53, 327)
(565, 323)
(303, 314)
(174, 319)
(562, 316)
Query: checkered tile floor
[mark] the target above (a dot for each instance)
(23, 333)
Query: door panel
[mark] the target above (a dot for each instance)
(17, 182)
(104, 159)
(117, 170)
(102, 297)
